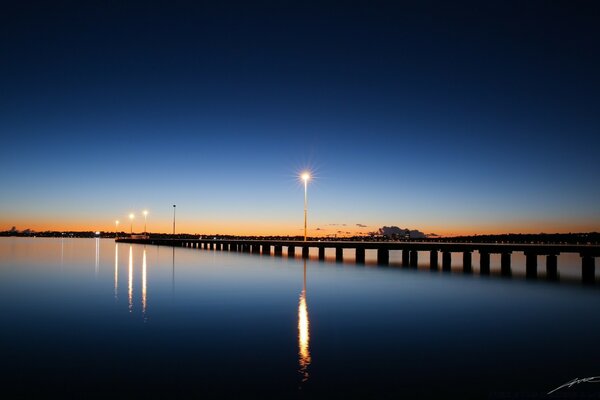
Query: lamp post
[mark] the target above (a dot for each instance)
(117, 228)
(305, 177)
(131, 217)
(145, 212)
(173, 219)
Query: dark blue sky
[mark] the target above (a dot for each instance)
(470, 117)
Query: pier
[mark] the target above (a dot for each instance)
(410, 252)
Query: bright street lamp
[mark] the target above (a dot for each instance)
(305, 177)
(145, 212)
(131, 217)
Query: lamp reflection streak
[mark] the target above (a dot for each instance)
(144, 282)
(304, 358)
(130, 278)
(116, 270)
(97, 263)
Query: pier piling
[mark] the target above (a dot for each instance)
(383, 256)
(446, 261)
(433, 260)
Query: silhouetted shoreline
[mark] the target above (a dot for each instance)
(550, 238)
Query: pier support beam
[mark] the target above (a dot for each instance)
(414, 258)
(588, 267)
(552, 267)
(321, 253)
(467, 262)
(339, 254)
(383, 256)
(405, 257)
(255, 249)
(266, 249)
(505, 268)
(219, 246)
(277, 250)
(433, 260)
(291, 251)
(484, 263)
(446, 261)
(305, 250)
(531, 265)
(211, 245)
(360, 255)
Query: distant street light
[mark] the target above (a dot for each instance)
(145, 212)
(131, 217)
(117, 228)
(173, 219)
(305, 177)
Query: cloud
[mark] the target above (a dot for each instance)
(361, 225)
(394, 230)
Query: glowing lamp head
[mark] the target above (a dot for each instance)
(145, 212)
(117, 222)
(305, 176)
(131, 216)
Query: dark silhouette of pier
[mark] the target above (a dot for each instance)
(410, 252)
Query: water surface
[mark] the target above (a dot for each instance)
(95, 318)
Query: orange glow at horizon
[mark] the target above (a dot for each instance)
(294, 228)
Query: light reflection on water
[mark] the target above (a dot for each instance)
(130, 281)
(232, 310)
(144, 289)
(97, 260)
(303, 332)
(116, 271)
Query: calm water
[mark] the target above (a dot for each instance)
(85, 317)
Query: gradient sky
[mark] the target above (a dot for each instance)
(477, 117)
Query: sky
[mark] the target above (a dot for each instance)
(461, 118)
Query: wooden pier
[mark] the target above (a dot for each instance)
(410, 252)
